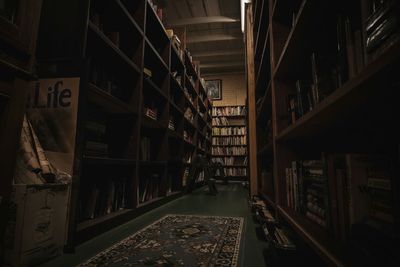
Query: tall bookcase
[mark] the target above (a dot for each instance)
(19, 22)
(326, 105)
(229, 140)
(135, 91)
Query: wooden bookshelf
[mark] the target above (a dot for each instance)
(354, 116)
(230, 133)
(19, 26)
(132, 81)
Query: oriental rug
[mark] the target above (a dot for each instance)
(177, 240)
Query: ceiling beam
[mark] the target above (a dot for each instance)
(221, 65)
(217, 53)
(211, 38)
(202, 20)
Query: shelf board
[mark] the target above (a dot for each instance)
(155, 87)
(129, 16)
(93, 222)
(266, 149)
(268, 200)
(172, 133)
(175, 107)
(317, 238)
(149, 202)
(108, 102)
(108, 161)
(174, 193)
(357, 94)
(110, 45)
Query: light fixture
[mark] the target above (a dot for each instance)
(242, 4)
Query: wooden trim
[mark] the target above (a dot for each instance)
(251, 94)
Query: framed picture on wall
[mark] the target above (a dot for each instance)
(214, 89)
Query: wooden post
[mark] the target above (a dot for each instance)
(252, 115)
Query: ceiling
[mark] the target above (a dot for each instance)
(213, 30)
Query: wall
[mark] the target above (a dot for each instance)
(233, 89)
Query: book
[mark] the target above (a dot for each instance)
(148, 73)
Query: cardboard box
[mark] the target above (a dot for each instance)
(37, 227)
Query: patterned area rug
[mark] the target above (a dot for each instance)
(178, 240)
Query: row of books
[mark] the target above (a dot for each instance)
(149, 187)
(229, 151)
(104, 197)
(229, 111)
(307, 192)
(342, 190)
(220, 121)
(230, 140)
(235, 171)
(229, 131)
(229, 161)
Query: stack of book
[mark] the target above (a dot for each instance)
(151, 112)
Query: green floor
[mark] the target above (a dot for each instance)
(232, 200)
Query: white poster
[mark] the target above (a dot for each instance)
(52, 110)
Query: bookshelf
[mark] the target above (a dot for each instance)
(143, 111)
(19, 22)
(316, 77)
(229, 140)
